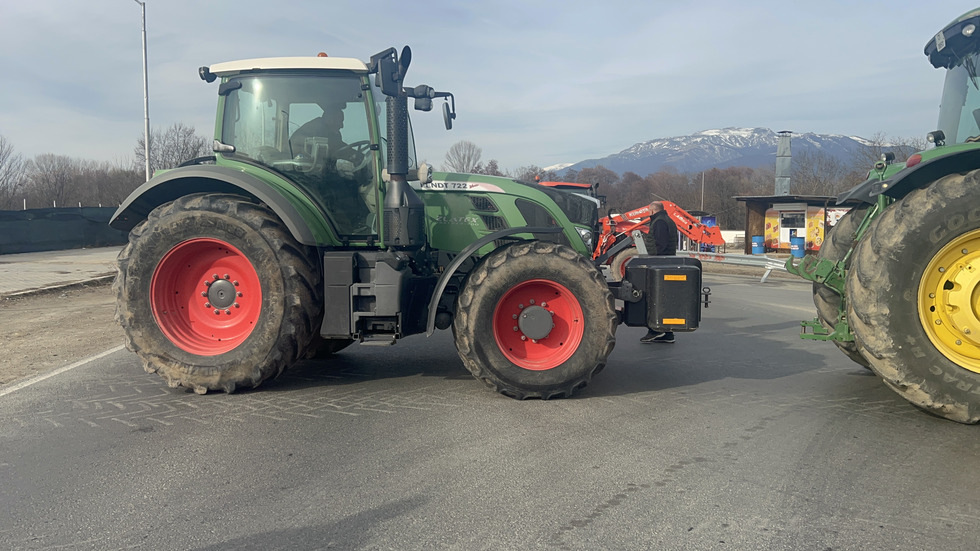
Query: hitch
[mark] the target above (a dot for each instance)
(818, 332)
(825, 272)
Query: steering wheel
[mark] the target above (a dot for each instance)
(360, 148)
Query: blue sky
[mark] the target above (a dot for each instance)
(535, 82)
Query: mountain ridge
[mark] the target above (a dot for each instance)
(717, 148)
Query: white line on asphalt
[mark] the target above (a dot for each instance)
(49, 374)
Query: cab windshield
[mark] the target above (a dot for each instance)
(959, 113)
(316, 131)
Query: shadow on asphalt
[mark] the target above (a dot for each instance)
(722, 348)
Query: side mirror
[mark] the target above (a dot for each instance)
(448, 116)
(386, 65)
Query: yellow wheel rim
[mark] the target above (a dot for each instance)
(949, 301)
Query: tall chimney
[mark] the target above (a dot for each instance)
(783, 162)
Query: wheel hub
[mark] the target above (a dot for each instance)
(535, 322)
(949, 300)
(221, 294)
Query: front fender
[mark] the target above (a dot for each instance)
(299, 215)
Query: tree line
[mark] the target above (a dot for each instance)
(57, 180)
(712, 191)
(52, 180)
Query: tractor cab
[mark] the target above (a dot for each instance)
(957, 49)
(315, 123)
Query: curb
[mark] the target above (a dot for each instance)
(105, 278)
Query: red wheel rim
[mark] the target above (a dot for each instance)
(206, 296)
(563, 339)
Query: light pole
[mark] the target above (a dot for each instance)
(702, 191)
(146, 98)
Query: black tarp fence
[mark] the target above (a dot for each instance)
(25, 231)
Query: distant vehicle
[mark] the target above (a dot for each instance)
(615, 246)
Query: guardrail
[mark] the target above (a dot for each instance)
(753, 261)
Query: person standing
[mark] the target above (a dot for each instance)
(661, 240)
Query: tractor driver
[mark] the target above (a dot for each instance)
(342, 164)
(326, 126)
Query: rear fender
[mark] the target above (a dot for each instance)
(927, 172)
(299, 216)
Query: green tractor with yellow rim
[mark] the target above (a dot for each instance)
(897, 283)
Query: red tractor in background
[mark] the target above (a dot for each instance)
(615, 245)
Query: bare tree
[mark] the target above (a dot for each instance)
(463, 156)
(597, 175)
(903, 148)
(817, 173)
(106, 184)
(50, 180)
(527, 173)
(171, 147)
(491, 168)
(11, 175)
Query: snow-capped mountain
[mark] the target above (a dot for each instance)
(722, 148)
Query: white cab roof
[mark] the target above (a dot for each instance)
(230, 68)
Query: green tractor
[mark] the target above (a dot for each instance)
(313, 227)
(897, 282)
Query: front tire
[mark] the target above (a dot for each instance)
(214, 293)
(912, 297)
(535, 320)
(617, 268)
(828, 302)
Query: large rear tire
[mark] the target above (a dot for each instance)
(535, 320)
(914, 293)
(214, 293)
(835, 248)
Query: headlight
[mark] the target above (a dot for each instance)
(586, 235)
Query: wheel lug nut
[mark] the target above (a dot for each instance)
(513, 316)
(236, 283)
(217, 312)
(215, 276)
(532, 301)
(515, 328)
(207, 304)
(204, 293)
(228, 312)
(207, 283)
(236, 305)
(523, 338)
(227, 276)
(240, 294)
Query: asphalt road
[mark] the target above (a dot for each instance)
(739, 436)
